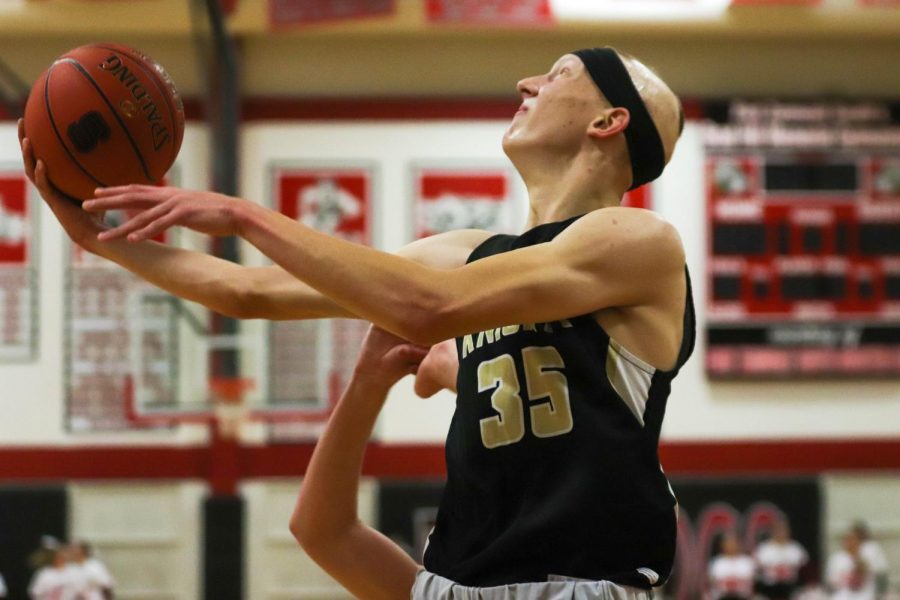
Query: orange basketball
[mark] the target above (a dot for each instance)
(104, 115)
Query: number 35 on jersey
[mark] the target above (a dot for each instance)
(547, 392)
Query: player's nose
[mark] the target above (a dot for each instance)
(528, 87)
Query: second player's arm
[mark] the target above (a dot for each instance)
(326, 520)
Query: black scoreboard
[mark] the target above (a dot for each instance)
(803, 253)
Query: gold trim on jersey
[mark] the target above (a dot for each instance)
(471, 342)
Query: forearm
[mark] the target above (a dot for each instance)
(193, 276)
(327, 502)
(220, 285)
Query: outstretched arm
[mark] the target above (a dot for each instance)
(616, 257)
(325, 520)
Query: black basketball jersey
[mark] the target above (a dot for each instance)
(552, 463)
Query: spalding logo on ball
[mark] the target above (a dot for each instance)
(104, 115)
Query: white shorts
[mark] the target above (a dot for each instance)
(429, 586)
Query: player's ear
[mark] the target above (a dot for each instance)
(610, 122)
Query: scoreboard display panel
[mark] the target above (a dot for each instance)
(803, 253)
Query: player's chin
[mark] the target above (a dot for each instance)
(514, 139)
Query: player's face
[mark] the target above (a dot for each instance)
(851, 543)
(730, 545)
(557, 108)
(60, 558)
(781, 533)
(76, 554)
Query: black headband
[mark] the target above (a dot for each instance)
(645, 148)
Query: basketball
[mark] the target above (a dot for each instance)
(104, 115)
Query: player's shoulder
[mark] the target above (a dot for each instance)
(446, 250)
(464, 237)
(638, 232)
(630, 221)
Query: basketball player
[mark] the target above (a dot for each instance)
(874, 556)
(779, 560)
(95, 580)
(568, 335)
(848, 574)
(52, 581)
(731, 573)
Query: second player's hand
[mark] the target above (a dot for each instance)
(385, 359)
(156, 209)
(438, 370)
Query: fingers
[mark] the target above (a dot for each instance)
(28, 158)
(27, 153)
(39, 177)
(412, 353)
(137, 200)
(401, 360)
(123, 190)
(36, 170)
(48, 191)
(156, 227)
(135, 224)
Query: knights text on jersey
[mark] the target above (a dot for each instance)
(552, 456)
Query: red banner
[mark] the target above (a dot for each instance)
(489, 12)
(285, 13)
(13, 220)
(17, 280)
(335, 202)
(448, 198)
(310, 362)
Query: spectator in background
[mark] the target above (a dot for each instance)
(731, 573)
(849, 575)
(52, 580)
(779, 560)
(874, 557)
(2, 587)
(90, 576)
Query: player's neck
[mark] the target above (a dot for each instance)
(583, 184)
